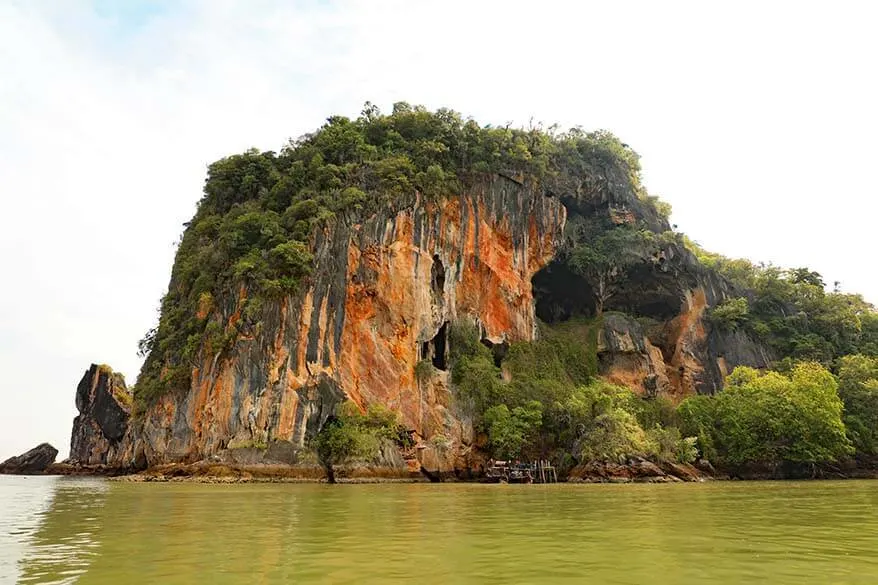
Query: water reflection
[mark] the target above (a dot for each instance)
(21, 504)
(49, 528)
(99, 532)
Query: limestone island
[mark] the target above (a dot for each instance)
(414, 296)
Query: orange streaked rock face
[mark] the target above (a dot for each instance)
(687, 333)
(380, 300)
(675, 364)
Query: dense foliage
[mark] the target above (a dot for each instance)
(551, 406)
(769, 418)
(252, 230)
(354, 435)
(548, 406)
(858, 388)
(776, 418)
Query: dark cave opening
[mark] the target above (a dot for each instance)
(437, 275)
(435, 349)
(661, 308)
(560, 294)
(439, 343)
(648, 293)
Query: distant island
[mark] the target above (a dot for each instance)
(414, 295)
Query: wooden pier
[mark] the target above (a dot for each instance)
(515, 472)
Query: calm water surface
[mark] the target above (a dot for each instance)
(68, 530)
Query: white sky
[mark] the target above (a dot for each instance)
(756, 120)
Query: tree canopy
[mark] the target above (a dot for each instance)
(858, 388)
(771, 418)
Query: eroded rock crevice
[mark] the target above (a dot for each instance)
(437, 276)
(653, 334)
(436, 349)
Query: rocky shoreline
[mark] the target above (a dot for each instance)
(634, 470)
(41, 461)
(103, 418)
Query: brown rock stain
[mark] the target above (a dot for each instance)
(684, 332)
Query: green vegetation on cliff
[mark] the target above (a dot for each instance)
(354, 435)
(768, 418)
(546, 407)
(252, 236)
(603, 254)
(791, 312)
(552, 405)
(858, 388)
(254, 224)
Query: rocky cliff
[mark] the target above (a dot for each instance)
(104, 405)
(380, 301)
(384, 286)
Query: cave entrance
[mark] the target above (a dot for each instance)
(439, 343)
(560, 294)
(435, 349)
(649, 293)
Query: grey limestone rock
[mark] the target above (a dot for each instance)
(34, 461)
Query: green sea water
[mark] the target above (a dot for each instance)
(73, 530)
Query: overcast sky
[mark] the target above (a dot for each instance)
(755, 120)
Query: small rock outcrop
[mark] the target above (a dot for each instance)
(627, 356)
(104, 405)
(34, 461)
(634, 470)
